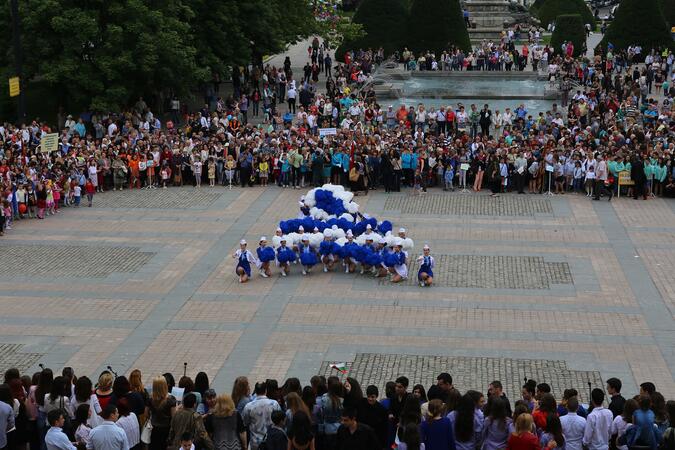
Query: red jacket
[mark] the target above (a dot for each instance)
(526, 441)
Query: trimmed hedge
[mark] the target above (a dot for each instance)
(638, 22)
(436, 24)
(668, 10)
(384, 23)
(569, 27)
(549, 10)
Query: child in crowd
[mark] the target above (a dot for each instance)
(212, 172)
(590, 179)
(77, 195)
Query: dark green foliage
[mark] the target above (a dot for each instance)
(435, 25)
(550, 9)
(569, 27)
(384, 23)
(103, 54)
(638, 22)
(668, 10)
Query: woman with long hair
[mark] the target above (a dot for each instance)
(241, 393)
(136, 384)
(353, 393)
(300, 435)
(84, 395)
(122, 389)
(225, 425)
(413, 440)
(552, 437)
(36, 396)
(467, 426)
(82, 428)
(547, 406)
(294, 404)
(201, 383)
(162, 408)
(623, 421)
(330, 407)
(523, 438)
(496, 425)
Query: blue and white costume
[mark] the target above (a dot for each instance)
(426, 266)
(244, 260)
(401, 268)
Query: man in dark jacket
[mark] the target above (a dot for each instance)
(371, 412)
(637, 174)
(353, 435)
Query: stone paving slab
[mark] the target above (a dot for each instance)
(527, 283)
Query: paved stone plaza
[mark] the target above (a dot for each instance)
(561, 289)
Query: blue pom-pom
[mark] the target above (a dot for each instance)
(265, 254)
(360, 253)
(308, 258)
(373, 259)
(308, 224)
(384, 227)
(359, 228)
(326, 248)
(285, 255)
(391, 259)
(339, 251)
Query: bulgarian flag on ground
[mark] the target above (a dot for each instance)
(340, 367)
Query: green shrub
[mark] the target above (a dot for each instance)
(551, 9)
(435, 25)
(638, 22)
(384, 23)
(569, 27)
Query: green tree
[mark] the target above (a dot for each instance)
(549, 10)
(382, 22)
(668, 10)
(104, 53)
(436, 24)
(569, 27)
(638, 22)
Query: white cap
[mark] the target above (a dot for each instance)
(369, 227)
(278, 229)
(349, 233)
(398, 242)
(382, 240)
(328, 232)
(426, 247)
(315, 229)
(301, 228)
(369, 237)
(401, 230)
(262, 238)
(242, 242)
(302, 197)
(283, 239)
(305, 237)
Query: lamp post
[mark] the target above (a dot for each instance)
(18, 58)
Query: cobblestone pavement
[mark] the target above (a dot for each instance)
(472, 205)
(560, 289)
(467, 372)
(494, 272)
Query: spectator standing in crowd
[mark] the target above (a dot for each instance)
(598, 423)
(108, 436)
(257, 414)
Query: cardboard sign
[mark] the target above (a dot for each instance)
(327, 132)
(624, 179)
(49, 143)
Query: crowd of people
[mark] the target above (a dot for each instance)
(614, 119)
(66, 412)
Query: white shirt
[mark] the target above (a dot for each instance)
(107, 436)
(619, 427)
(598, 426)
(573, 427)
(130, 426)
(56, 439)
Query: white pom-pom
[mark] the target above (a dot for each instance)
(341, 241)
(408, 244)
(390, 239)
(315, 239)
(338, 233)
(361, 239)
(352, 207)
(293, 239)
(276, 241)
(333, 188)
(310, 200)
(345, 196)
(348, 217)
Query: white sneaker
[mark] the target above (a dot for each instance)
(421, 283)
(347, 269)
(304, 272)
(263, 274)
(325, 269)
(361, 270)
(283, 273)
